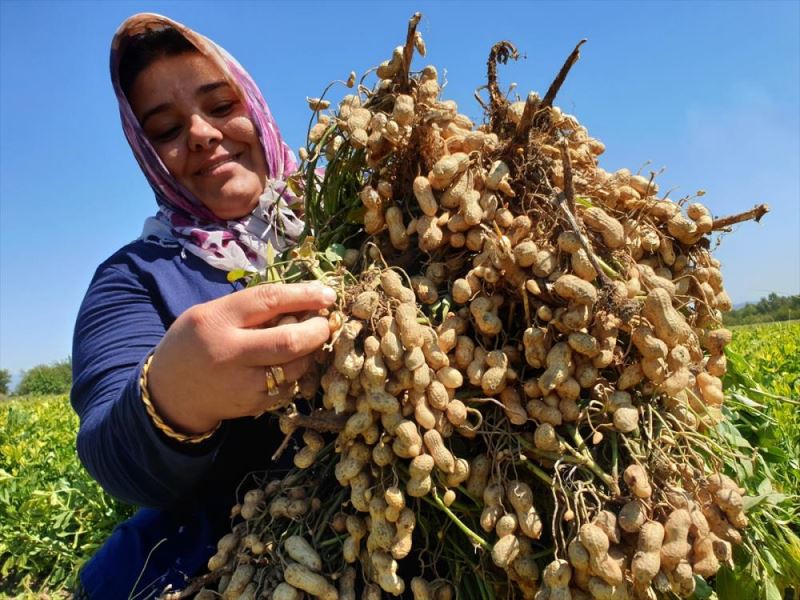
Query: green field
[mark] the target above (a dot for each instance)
(53, 516)
(763, 430)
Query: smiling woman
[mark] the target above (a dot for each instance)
(172, 361)
(202, 132)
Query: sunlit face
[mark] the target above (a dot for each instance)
(202, 132)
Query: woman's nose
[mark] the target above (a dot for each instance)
(202, 134)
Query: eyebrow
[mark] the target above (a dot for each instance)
(203, 89)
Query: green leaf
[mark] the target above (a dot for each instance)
(765, 553)
(735, 586)
(338, 249)
(747, 401)
(751, 502)
(771, 591)
(7, 566)
(272, 273)
(702, 590)
(236, 275)
(774, 455)
(332, 256)
(439, 310)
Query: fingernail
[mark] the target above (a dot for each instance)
(328, 294)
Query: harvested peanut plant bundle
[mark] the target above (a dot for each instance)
(524, 366)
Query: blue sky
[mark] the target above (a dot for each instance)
(709, 90)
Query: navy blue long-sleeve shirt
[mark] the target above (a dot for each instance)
(132, 300)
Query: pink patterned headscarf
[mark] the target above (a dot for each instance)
(182, 218)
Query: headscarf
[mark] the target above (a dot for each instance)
(181, 217)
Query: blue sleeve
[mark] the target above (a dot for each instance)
(117, 326)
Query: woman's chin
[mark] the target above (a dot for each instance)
(230, 204)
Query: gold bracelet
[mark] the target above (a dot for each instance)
(159, 422)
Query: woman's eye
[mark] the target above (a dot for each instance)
(220, 110)
(167, 135)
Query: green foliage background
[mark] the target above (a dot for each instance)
(55, 378)
(53, 516)
(762, 409)
(767, 310)
(5, 380)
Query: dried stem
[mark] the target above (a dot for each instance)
(500, 53)
(526, 121)
(569, 186)
(754, 214)
(562, 75)
(326, 421)
(408, 50)
(282, 448)
(566, 202)
(561, 201)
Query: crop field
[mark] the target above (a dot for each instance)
(53, 516)
(763, 404)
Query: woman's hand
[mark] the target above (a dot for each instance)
(211, 364)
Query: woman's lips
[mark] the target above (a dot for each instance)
(214, 166)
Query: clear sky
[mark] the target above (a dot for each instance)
(709, 90)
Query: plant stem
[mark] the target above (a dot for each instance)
(539, 472)
(590, 463)
(322, 523)
(460, 524)
(608, 269)
(754, 213)
(576, 458)
(331, 541)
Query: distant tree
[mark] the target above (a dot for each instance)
(769, 309)
(5, 380)
(55, 378)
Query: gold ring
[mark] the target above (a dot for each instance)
(271, 384)
(278, 374)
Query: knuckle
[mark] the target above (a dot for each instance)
(207, 335)
(195, 317)
(292, 341)
(269, 296)
(199, 323)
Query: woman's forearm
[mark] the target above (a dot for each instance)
(117, 327)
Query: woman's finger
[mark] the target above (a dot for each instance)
(253, 397)
(254, 306)
(287, 392)
(292, 372)
(282, 344)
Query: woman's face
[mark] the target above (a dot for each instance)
(202, 132)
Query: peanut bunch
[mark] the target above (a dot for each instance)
(527, 351)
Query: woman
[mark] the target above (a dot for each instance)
(171, 360)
